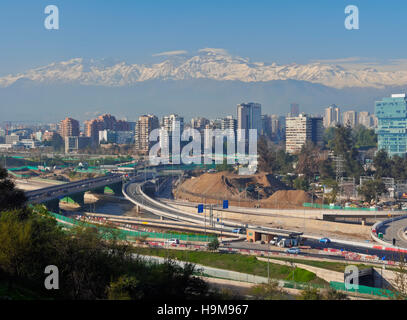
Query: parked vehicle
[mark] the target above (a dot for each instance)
(293, 250)
(325, 240)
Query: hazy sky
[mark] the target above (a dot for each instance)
(132, 30)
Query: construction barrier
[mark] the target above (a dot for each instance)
(362, 289)
(327, 206)
(133, 235)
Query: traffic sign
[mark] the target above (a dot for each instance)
(200, 208)
(225, 204)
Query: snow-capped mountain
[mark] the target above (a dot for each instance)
(214, 64)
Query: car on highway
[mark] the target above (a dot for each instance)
(293, 250)
(172, 241)
(239, 230)
(325, 240)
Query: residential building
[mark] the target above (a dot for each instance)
(391, 113)
(303, 129)
(69, 128)
(104, 122)
(366, 119)
(12, 138)
(350, 118)
(332, 116)
(145, 125)
(229, 124)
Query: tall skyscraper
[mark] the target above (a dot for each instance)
(392, 124)
(350, 118)
(69, 128)
(300, 130)
(294, 109)
(267, 125)
(145, 125)
(249, 117)
(332, 116)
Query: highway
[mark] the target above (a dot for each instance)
(134, 193)
(394, 230)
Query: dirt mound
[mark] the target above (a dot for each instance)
(232, 186)
(289, 197)
(259, 190)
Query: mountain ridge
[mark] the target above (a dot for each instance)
(213, 64)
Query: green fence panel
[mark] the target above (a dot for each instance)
(362, 289)
(123, 234)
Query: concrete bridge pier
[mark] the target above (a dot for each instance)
(100, 190)
(116, 188)
(52, 205)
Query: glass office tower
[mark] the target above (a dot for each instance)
(392, 124)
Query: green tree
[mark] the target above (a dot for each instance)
(125, 288)
(372, 189)
(364, 137)
(301, 183)
(327, 169)
(383, 164)
(343, 145)
(398, 168)
(10, 197)
(214, 244)
(308, 160)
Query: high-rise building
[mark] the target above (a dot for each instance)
(294, 109)
(392, 124)
(69, 128)
(267, 125)
(302, 129)
(145, 125)
(173, 123)
(76, 143)
(366, 119)
(229, 123)
(249, 117)
(104, 122)
(350, 118)
(332, 116)
(199, 123)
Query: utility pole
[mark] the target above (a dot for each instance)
(268, 262)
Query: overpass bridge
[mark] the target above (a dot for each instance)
(52, 195)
